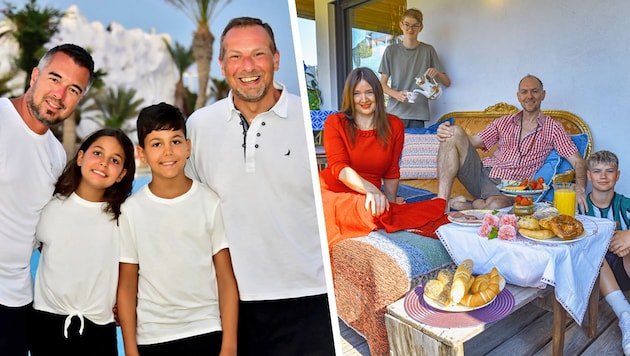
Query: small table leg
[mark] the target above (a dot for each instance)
(593, 309)
(559, 327)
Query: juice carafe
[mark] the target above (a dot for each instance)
(564, 198)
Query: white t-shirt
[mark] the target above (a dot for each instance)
(29, 167)
(267, 196)
(173, 241)
(78, 267)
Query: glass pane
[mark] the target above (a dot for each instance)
(374, 26)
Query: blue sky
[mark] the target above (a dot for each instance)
(165, 18)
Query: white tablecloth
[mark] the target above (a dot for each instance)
(570, 267)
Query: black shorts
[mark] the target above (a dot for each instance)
(300, 326)
(47, 336)
(199, 345)
(14, 323)
(616, 265)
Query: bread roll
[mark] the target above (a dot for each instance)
(433, 289)
(540, 234)
(461, 281)
(445, 276)
(528, 222)
(545, 223)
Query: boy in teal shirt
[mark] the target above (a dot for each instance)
(604, 202)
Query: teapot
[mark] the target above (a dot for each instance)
(429, 87)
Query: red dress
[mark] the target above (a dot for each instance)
(344, 208)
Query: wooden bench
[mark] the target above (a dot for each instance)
(407, 337)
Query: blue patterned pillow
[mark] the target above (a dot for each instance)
(318, 117)
(555, 164)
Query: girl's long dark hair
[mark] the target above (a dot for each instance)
(115, 195)
(381, 121)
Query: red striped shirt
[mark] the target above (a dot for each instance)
(517, 160)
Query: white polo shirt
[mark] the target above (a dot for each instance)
(266, 195)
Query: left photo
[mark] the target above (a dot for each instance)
(163, 197)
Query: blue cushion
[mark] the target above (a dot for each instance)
(428, 130)
(555, 164)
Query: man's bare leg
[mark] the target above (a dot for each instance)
(451, 155)
(491, 203)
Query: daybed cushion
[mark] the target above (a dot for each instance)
(418, 159)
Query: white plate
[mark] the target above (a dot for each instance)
(469, 218)
(455, 308)
(514, 193)
(558, 240)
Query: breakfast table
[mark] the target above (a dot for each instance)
(572, 267)
(528, 266)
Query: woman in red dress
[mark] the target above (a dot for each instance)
(363, 145)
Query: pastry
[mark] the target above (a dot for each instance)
(488, 290)
(566, 227)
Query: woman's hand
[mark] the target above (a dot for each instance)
(376, 202)
(620, 243)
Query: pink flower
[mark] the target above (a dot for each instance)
(485, 229)
(491, 220)
(507, 232)
(508, 219)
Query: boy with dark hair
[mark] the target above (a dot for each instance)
(177, 294)
(604, 202)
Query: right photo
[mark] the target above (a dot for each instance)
(470, 182)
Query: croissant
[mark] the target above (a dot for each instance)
(485, 288)
(461, 281)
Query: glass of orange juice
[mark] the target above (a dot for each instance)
(564, 198)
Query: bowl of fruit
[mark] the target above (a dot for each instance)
(523, 187)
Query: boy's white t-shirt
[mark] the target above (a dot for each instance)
(78, 268)
(173, 242)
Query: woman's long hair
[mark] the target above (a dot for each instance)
(115, 195)
(381, 121)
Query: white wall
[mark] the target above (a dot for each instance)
(578, 48)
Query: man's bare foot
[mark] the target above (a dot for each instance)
(459, 203)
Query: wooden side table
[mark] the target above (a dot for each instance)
(408, 337)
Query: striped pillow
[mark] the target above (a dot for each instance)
(419, 156)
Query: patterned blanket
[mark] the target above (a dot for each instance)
(374, 271)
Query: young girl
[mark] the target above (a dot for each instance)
(75, 285)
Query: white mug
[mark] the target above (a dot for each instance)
(412, 95)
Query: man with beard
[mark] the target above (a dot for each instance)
(251, 149)
(31, 159)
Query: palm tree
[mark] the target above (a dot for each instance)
(221, 89)
(115, 107)
(4, 84)
(201, 11)
(183, 58)
(34, 28)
